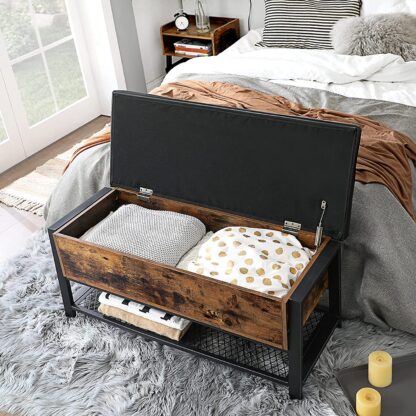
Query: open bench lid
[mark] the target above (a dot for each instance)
(261, 165)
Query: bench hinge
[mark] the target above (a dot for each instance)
(145, 194)
(291, 227)
(320, 229)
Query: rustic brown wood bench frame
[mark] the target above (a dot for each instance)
(74, 261)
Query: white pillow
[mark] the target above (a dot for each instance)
(388, 6)
(193, 253)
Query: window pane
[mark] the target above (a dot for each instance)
(67, 80)
(3, 134)
(16, 25)
(34, 89)
(51, 19)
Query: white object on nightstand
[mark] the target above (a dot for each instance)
(181, 20)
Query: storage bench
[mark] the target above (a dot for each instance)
(279, 339)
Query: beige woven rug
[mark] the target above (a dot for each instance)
(31, 192)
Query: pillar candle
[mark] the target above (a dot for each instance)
(380, 369)
(368, 402)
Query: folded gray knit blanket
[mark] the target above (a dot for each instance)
(161, 236)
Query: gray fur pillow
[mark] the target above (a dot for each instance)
(376, 34)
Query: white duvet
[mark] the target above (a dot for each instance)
(382, 77)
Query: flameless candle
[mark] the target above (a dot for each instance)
(368, 402)
(380, 369)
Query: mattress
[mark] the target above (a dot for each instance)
(378, 77)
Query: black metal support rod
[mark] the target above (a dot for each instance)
(64, 283)
(168, 63)
(335, 286)
(295, 349)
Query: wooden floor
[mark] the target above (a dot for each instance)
(15, 225)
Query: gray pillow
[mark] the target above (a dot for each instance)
(376, 34)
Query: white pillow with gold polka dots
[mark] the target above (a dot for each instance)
(263, 260)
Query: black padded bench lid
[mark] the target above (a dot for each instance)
(255, 164)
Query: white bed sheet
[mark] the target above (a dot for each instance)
(378, 77)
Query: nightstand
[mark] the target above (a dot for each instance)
(224, 32)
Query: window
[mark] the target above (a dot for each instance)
(42, 53)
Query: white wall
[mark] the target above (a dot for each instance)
(128, 43)
(151, 14)
(233, 8)
(103, 49)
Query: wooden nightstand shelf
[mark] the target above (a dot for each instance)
(224, 32)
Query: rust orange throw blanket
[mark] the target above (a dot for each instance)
(383, 156)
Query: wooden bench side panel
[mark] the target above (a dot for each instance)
(228, 307)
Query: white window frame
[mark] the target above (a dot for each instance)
(66, 120)
(11, 149)
(102, 69)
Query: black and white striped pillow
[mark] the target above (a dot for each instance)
(304, 24)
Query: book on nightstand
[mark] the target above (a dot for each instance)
(192, 47)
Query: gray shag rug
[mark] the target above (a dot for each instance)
(52, 365)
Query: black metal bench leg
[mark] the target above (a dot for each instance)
(334, 271)
(295, 350)
(64, 283)
(67, 297)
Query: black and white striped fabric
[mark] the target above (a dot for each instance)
(304, 24)
(143, 311)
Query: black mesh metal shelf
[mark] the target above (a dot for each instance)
(214, 344)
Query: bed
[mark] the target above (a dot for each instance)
(379, 257)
